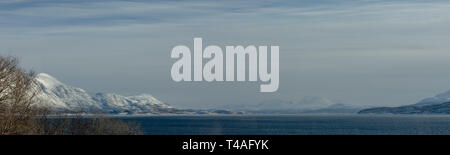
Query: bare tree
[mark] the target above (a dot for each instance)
(17, 99)
(21, 112)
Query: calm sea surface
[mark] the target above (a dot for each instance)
(292, 125)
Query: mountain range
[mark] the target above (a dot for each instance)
(67, 99)
(308, 104)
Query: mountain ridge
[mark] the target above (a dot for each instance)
(438, 104)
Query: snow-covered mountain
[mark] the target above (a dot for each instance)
(438, 99)
(64, 98)
(439, 104)
(308, 104)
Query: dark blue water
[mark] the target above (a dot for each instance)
(293, 125)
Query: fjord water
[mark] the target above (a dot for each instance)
(294, 125)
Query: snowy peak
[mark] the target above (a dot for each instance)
(146, 98)
(47, 81)
(62, 97)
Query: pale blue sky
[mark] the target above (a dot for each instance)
(360, 52)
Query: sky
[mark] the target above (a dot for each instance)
(357, 52)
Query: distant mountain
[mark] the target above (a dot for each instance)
(438, 99)
(443, 108)
(439, 104)
(309, 104)
(67, 99)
